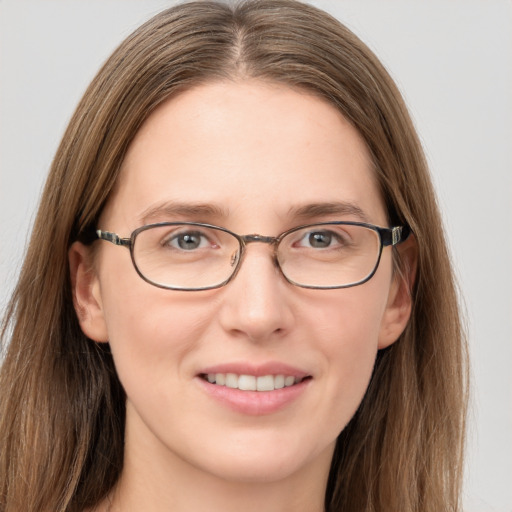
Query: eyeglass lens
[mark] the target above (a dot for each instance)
(192, 256)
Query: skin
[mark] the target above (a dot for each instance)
(255, 150)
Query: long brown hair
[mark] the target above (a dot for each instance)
(61, 404)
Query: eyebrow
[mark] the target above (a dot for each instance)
(171, 209)
(331, 208)
(203, 211)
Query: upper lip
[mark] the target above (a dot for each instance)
(258, 370)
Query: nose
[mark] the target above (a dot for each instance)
(257, 303)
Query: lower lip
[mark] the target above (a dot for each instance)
(255, 403)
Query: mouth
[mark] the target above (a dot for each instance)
(255, 390)
(245, 382)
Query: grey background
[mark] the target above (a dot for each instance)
(452, 60)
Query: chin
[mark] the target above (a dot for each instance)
(263, 463)
(245, 471)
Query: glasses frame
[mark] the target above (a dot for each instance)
(387, 236)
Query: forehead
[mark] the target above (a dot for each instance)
(246, 149)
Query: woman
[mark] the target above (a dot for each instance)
(163, 357)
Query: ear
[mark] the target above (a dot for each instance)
(399, 306)
(85, 288)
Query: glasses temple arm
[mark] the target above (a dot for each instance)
(395, 235)
(113, 238)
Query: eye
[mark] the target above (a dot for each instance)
(321, 239)
(188, 241)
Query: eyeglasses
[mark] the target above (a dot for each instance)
(195, 256)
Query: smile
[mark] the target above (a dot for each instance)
(252, 382)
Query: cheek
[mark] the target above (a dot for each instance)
(148, 325)
(347, 333)
(348, 321)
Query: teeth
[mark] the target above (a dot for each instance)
(279, 381)
(289, 381)
(252, 383)
(265, 383)
(231, 380)
(247, 382)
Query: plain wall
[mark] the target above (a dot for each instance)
(452, 60)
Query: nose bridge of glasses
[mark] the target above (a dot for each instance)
(248, 239)
(252, 238)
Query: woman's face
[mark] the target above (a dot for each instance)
(258, 158)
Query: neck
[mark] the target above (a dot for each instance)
(158, 480)
(184, 495)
